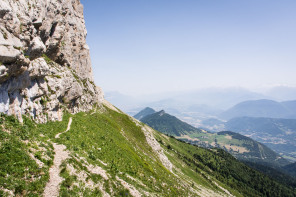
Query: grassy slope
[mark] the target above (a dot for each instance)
(113, 142)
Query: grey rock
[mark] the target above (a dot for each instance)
(8, 54)
(37, 48)
(4, 101)
(19, 83)
(41, 86)
(3, 73)
(4, 8)
(37, 23)
(74, 92)
(38, 69)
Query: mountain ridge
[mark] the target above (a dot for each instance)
(168, 124)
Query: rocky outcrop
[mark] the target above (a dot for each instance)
(45, 64)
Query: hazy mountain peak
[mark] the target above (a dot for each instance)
(143, 113)
(161, 113)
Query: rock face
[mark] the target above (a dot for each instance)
(45, 64)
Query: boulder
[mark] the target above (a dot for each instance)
(37, 48)
(74, 92)
(38, 69)
(8, 54)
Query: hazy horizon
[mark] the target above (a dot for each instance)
(263, 91)
(210, 98)
(148, 47)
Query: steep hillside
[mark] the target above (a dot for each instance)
(168, 124)
(143, 113)
(259, 108)
(280, 174)
(291, 169)
(107, 153)
(278, 134)
(291, 105)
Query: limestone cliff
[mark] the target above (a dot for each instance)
(44, 59)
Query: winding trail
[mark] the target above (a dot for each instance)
(53, 185)
(68, 128)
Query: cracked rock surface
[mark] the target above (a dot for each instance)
(45, 64)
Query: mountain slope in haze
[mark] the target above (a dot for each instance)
(291, 105)
(168, 124)
(121, 157)
(278, 134)
(259, 108)
(213, 125)
(221, 98)
(143, 113)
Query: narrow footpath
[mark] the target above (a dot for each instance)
(52, 187)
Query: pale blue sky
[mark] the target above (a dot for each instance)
(149, 46)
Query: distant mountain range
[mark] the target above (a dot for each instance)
(207, 100)
(219, 98)
(261, 108)
(241, 147)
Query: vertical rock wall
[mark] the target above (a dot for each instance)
(45, 64)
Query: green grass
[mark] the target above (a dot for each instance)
(101, 137)
(47, 59)
(115, 139)
(18, 171)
